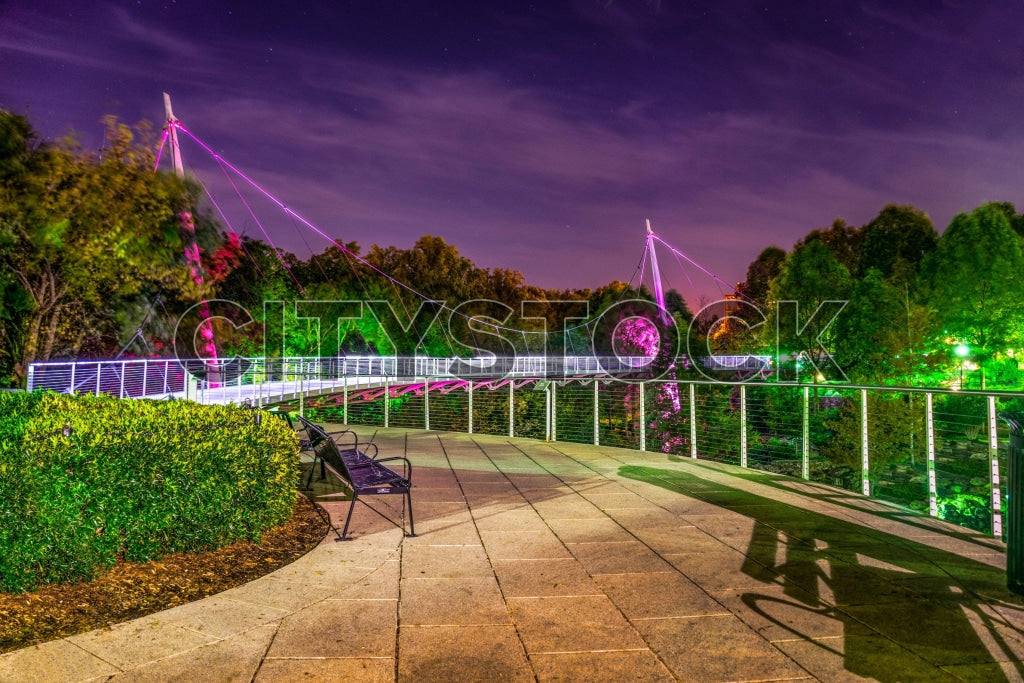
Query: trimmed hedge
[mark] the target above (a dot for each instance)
(135, 480)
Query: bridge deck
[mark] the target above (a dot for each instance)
(540, 561)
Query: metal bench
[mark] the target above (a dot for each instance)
(364, 474)
(354, 454)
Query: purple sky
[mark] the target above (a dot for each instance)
(540, 136)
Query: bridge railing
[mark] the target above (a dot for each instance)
(939, 451)
(257, 379)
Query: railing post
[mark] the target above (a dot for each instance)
(929, 431)
(259, 380)
(31, 380)
(387, 402)
(511, 408)
(145, 374)
(643, 417)
(99, 371)
(547, 412)
(993, 459)
(805, 446)
(693, 421)
(167, 368)
(865, 478)
(302, 393)
(470, 406)
(743, 425)
(120, 391)
(597, 421)
(344, 402)
(426, 403)
(554, 410)
(71, 389)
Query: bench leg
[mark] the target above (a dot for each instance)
(309, 479)
(408, 504)
(344, 532)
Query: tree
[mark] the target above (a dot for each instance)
(83, 237)
(810, 276)
(974, 284)
(880, 332)
(676, 305)
(760, 273)
(1016, 219)
(896, 241)
(844, 241)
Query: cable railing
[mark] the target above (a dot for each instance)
(268, 379)
(938, 451)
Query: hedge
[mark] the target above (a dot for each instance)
(135, 480)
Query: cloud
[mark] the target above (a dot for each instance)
(739, 136)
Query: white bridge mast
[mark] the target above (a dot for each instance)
(659, 290)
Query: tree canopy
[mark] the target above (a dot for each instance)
(83, 238)
(92, 241)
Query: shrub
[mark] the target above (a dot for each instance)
(965, 509)
(135, 480)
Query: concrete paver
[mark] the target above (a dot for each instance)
(565, 562)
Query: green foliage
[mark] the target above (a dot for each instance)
(895, 432)
(896, 241)
(810, 276)
(84, 238)
(842, 240)
(965, 509)
(974, 283)
(877, 333)
(760, 273)
(135, 480)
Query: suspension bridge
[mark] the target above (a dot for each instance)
(809, 564)
(723, 412)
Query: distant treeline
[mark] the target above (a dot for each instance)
(92, 246)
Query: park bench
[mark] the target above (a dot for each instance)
(364, 474)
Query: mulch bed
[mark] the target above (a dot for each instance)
(131, 590)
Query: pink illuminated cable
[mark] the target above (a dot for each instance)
(160, 148)
(281, 205)
(302, 236)
(694, 263)
(226, 165)
(259, 224)
(642, 267)
(231, 228)
(686, 273)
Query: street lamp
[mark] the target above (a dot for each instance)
(962, 351)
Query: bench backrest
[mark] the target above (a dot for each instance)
(314, 433)
(326, 449)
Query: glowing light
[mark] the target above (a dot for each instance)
(962, 350)
(636, 337)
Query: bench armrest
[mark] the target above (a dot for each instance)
(367, 445)
(406, 467)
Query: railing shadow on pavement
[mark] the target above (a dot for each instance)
(938, 607)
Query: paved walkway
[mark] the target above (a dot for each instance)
(540, 562)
